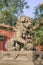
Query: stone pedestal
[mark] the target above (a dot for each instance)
(16, 58)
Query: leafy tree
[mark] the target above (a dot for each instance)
(39, 11)
(11, 9)
(39, 20)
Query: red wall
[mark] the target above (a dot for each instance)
(8, 36)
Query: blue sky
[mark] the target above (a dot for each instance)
(32, 4)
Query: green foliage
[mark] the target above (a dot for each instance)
(38, 34)
(38, 20)
(35, 21)
(38, 11)
(11, 9)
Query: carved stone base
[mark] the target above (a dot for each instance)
(16, 58)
